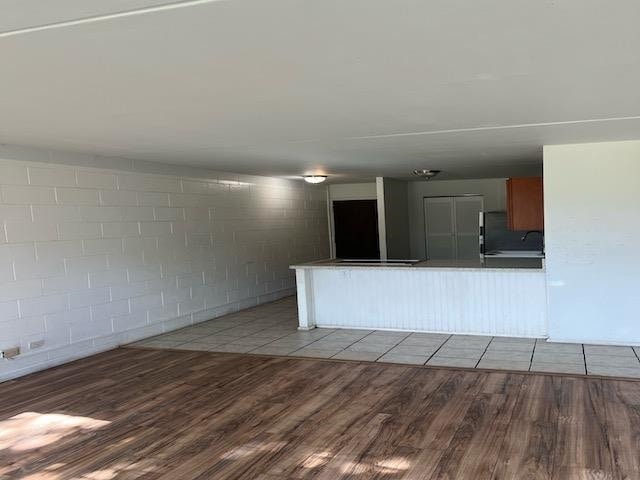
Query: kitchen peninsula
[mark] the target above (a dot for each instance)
(498, 296)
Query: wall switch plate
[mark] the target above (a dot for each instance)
(36, 344)
(10, 352)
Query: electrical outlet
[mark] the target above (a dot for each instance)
(36, 344)
(10, 352)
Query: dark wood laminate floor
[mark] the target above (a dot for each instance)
(158, 414)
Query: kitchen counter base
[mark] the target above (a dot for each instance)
(445, 299)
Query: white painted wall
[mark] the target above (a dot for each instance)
(91, 258)
(493, 190)
(352, 191)
(592, 225)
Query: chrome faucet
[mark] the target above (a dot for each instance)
(524, 237)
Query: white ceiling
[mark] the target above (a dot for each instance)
(354, 88)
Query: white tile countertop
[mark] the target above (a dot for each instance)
(476, 264)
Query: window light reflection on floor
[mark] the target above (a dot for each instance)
(32, 430)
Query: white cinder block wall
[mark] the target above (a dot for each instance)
(91, 258)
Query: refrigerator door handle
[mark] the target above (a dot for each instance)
(481, 234)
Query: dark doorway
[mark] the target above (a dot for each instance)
(356, 229)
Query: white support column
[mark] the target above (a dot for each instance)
(382, 221)
(306, 313)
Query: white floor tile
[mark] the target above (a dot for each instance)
(413, 350)
(452, 362)
(268, 350)
(563, 358)
(609, 350)
(472, 353)
(314, 353)
(230, 348)
(505, 356)
(611, 361)
(613, 371)
(557, 368)
(504, 365)
(359, 356)
(404, 359)
(550, 347)
(369, 347)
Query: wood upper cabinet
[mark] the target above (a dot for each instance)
(525, 209)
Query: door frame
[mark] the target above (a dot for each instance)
(332, 224)
(377, 214)
(424, 214)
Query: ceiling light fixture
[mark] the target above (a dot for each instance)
(314, 178)
(426, 173)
